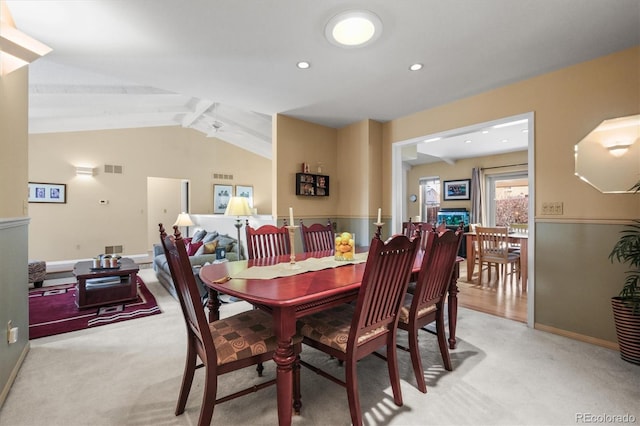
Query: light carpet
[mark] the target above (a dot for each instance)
(504, 374)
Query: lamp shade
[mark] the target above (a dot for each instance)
(238, 206)
(183, 220)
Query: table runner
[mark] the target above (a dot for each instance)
(306, 265)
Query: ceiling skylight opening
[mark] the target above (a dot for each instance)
(353, 28)
(510, 123)
(303, 65)
(415, 67)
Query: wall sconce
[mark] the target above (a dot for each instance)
(85, 171)
(16, 48)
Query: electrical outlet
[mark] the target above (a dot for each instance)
(12, 333)
(553, 208)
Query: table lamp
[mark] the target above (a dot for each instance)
(184, 220)
(238, 206)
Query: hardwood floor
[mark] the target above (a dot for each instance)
(495, 298)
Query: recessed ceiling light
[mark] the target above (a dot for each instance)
(484, 132)
(525, 130)
(415, 67)
(432, 140)
(353, 28)
(303, 65)
(467, 141)
(505, 140)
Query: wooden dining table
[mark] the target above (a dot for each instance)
(291, 297)
(522, 239)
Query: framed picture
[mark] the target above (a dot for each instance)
(245, 191)
(457, 190)
(221, 196)
(47, 193)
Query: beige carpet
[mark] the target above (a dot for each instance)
(504, 374)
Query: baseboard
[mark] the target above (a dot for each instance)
(14, 374)
(576, 336)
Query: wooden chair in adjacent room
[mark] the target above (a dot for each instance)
(267, 241)
(317, 237)
(426, 304)
(223, 346)
(349, 332)
(493, 249)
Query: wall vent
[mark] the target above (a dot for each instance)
(222, 176)
(113, 250)
(110, 168)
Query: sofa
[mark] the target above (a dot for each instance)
(203, 248)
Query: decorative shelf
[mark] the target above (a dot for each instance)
(312, 185)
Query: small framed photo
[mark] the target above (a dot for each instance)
(457, 190)
(55, 193)
(221, 196)
(245, 191)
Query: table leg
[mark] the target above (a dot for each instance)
(452, 305)
(284, 323)
(213, 304)
(471, 256)
(81, 295)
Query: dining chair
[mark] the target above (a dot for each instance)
(426, 304)
(223, 346)
(267, 241)
(493, 249)
(349, 331)
(517, 228)
(409, 228)
(317, 237)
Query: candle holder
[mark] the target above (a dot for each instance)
(379, 229)
(292, 258)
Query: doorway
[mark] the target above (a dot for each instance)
(166, 199)
(400, 169)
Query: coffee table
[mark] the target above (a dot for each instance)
(122, 289)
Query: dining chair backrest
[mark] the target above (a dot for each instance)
(437, 267)
(409, 229)
(188, 293)
(384, 284)
(267, 241)
(317, 237)
(493, 243)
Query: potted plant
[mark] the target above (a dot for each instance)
(626, 306)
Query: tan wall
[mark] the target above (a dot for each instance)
(460, 170)
(13, 128)
(299, 141)
(568, 104)
(82, 227)
(14, 224)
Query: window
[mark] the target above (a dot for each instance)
(429, 199)
(508, 198)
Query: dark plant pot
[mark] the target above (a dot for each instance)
(628, 330)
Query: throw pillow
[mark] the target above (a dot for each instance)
(225, 241)
(212, 235)
(192, 248)
(198, 236)
(210, 248)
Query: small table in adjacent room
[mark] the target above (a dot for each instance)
(103, 286)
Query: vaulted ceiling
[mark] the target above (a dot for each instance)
(225, 67)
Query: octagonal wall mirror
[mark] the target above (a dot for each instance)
(608, 158)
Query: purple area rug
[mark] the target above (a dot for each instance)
(52, 310)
